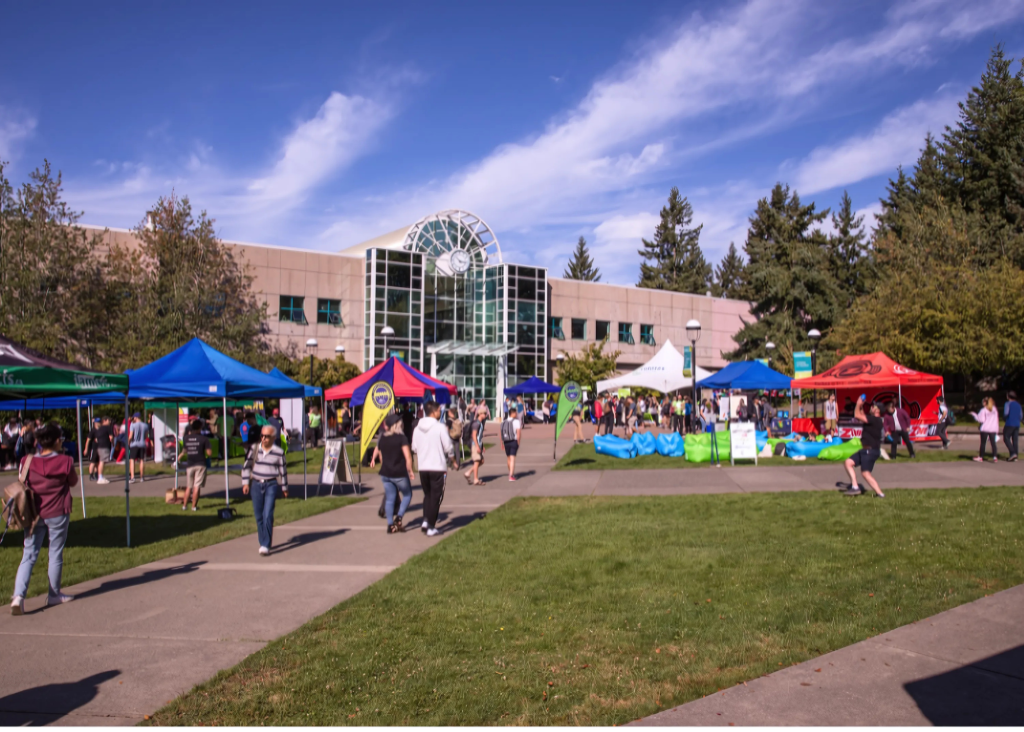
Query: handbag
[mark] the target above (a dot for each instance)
(20, 502)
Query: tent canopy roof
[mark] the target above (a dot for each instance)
(872, 369)
(199, 371)
(28, 374)
(405, 381)
(746, 375)
(47, 404)
(663, 373)
(533, 385)
(311, 391)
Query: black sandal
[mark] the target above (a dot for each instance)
(392, 529)
(398, 522)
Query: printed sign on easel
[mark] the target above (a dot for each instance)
(335, 461)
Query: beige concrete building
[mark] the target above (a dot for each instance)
(439, 295)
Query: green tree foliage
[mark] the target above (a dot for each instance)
(581, 266)
(728, 280)
(788, 277)
(181, 283)
(50, 285)
(673, 259)
(326, 372)
(588, 367)
(850, 257)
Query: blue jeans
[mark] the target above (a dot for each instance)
(391, 488)
(264, 494)
(58, 530)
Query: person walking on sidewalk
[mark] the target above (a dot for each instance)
(104, 443)
(510, 430)
(50, 475)
(434, 450)
(265, 469)
(196, 447)
(577, 424)
(871, 449)
(988, 416)
(940, 428)
(897, 424)
(395, 470)
(1011, 425)
(476, 447)
(137, 433)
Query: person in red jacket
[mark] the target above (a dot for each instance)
(51, 476)
(897, 424)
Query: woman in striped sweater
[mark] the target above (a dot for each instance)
(265, 470)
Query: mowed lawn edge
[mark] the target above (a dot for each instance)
(96, 545)
(583, 457)
(602, 610)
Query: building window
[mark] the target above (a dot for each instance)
(328, 311)
(626, 333)
(579, 329)
(556, 329)
(647, 335)
(602, 329)
(291, 310)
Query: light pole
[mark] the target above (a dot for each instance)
(560, 359)
(693, 333)
(814, 334)
(386, 331)
(311, 345)
(769, 346)
(339, 350)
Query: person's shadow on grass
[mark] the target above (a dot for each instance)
(46, 704)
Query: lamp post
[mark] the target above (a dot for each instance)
(693, 333)
(560, 359)
(311, 345)
(769, 346)
(386, 331)
(814, 334)
(339, 350)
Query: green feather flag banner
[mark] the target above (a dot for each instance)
(568, 398)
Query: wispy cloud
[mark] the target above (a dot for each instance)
(15, 127)
(895, 141)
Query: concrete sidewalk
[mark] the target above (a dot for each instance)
(961, 667)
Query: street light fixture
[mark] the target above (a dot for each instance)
(815, 335)
(385, 332)
(693, 333)
(769, 346)
(311, 345)
(339, 350)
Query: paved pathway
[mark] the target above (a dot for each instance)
(134, 640)
(961, 667)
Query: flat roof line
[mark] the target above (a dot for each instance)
(638, 289)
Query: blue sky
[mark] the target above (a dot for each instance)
(322, 125)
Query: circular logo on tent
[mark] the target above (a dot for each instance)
(572, 391)
(381, 395)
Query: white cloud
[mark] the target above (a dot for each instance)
(15, 127)
(896, 140)
(321, 147)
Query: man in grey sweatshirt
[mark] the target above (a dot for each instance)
(433, 449)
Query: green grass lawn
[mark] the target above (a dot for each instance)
(583, 457)
(96, 545)
(601, 610)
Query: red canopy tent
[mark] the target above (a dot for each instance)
(405, 381)
(880, 379)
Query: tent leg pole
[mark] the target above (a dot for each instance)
(78, 424)
(127, 500)
(305, 485)
(227, 497)
(177, 448)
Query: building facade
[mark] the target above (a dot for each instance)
(439, 295)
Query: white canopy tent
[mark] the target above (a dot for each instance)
(663, 373)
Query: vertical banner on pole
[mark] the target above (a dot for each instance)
(802, 365)
(687, 362)
(380, 400)
(568, 398)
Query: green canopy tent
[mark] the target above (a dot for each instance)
(26, 374)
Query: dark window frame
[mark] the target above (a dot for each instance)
(333, 307)
(626, 335)
(606, 326)
(582, 322)
(555, 329)
(647, 335)
(286, 313)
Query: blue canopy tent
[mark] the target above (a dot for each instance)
(199, 372)
(533, 385)
(311, 391)
(746, 375)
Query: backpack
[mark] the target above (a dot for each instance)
(456, 430)
(20, 502)
(467, 433)
(950, 419)
(508, 431)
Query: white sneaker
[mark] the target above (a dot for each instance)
(193, 508)
(424, 526)
(102, 480)
(58, 599)
(432, 532)
(264, 551)
(18, 606)
(131, 480)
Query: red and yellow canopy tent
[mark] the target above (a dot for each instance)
(407, 383)
(880, 379)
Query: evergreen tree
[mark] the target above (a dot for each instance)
(581, 266)
(850, 259)
(729, 276)
(788, 277)
(673, 260)
(929, 180)
(897, 200)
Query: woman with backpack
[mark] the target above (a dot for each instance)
(49, 476)
(988, 415)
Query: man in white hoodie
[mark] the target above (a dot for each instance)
(433, 448)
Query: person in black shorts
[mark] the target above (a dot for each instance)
(871, 442)
(196, 447)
